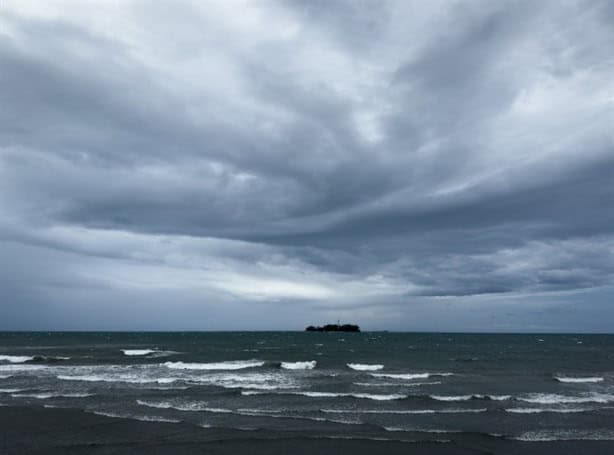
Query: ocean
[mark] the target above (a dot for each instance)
(411, 387)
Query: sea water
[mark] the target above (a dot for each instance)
(376, 385)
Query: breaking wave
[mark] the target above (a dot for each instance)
(541, 410)
(404, 411)
(127, 378)
(47, 395)
(551, 398)
(15, 358)
(409, 376)
(566, 435)
(578, 379)
(299, 365)
(365, 367)
(367, 396)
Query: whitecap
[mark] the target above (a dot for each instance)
(127, 378)
(579, 379)
(47, 395)
(470, 397)
(136, 417)
(364, 367)
(567, 435)
(20, 367)
(230, 365)
(408, 376)
(451, 398)
(404, 411)
(198, 406)
(311, 394)
(394, 384)
(541, 410)
(15, 358)
(551, 398)
(137, 352)
(310, 365)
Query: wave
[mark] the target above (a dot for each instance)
(133, 352)
(578, 379)
(409, 376)
(394, 384)
(551, 398)
(11, 390)
(131, 379)
(470, 397)
(261, 380)
(15, 358)
(150, 353)
(189, 407)
(22, 367)
(47, 395)
(299, 365)
(367, 396)
(404, 411)
(566, 435)
(230, 365)
(5, 376)
(133, 417)
(365, 367)
(541, 410)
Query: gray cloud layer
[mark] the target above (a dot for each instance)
(236, 165)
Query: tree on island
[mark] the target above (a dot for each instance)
(334, 328)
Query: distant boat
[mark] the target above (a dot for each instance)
(333, 328)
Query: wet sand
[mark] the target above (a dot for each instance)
(37, 430)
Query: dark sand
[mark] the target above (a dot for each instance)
(30, 430)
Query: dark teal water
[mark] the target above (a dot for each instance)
(377, 385)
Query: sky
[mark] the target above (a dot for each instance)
(251, 165)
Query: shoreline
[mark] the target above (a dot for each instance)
(40, 430)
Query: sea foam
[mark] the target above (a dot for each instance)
(578, 379)
(15, 358)
(551, 398)
(364, 367)
(299, 365)
(409, 376)
(368, 396)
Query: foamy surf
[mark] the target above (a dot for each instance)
(405, 411)
(365, 367)
(551, 398)
(130, 379)
(542, 410)
(408, 376)
(310, 365)
(573, 380)
(229, 365)
(198, 406)
(368, 396)
(566, 435)
(47, 395)
(137, 352)
(470, 397)
(142, 418)
(15, 358)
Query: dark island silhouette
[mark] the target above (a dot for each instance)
(333, 328)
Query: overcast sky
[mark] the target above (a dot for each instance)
(410, 165)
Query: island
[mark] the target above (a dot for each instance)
(333, 328)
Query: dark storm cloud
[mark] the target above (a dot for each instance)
(364, 158)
